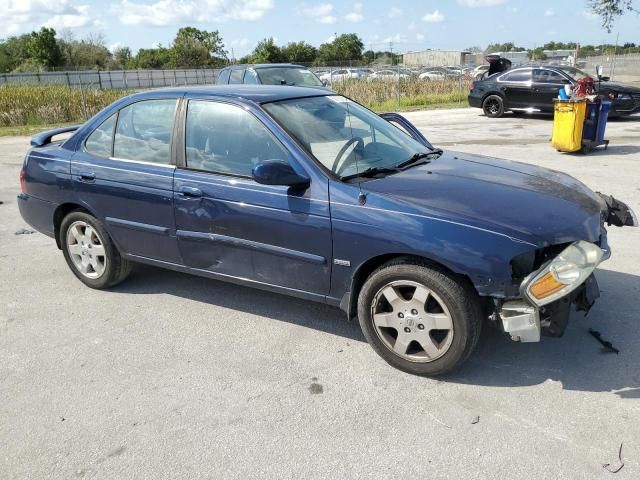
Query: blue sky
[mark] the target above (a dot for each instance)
(410, 25)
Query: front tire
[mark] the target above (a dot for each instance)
(419, 319)
(90, 252)
(493, 106)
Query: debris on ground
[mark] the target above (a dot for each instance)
(24, 231)
(607, 466)
(475, 420)
(607, 346)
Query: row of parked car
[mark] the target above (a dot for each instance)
(394, 73)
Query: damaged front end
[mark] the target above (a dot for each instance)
(553, 279)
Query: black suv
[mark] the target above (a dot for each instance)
(269, 74)
(533, 89)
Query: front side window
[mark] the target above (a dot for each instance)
(224, 138)
(144, 131)
(100, 141)
(517, 76)
(223, 78)
(288, 76)
(343, 136)
(542, 75)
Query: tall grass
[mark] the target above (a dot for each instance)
(383, 94)
(51, 104)
(24, 105)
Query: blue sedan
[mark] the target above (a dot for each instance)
(306, 193)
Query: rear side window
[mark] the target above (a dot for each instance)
(517, 76)
(144, 131)
(236, 76)
(223, 78)
(226, 139)
(100, 141)
(251, 77)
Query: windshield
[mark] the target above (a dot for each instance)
(343, 136)
(288, 76)
(575, 73)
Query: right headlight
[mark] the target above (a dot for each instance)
(563, 274)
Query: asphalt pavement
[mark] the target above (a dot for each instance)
(175, 376)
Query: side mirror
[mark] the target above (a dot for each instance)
(599, 70)
(604, 79)
(278, 172)
(325, 83)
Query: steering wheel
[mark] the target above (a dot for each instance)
(359, 144)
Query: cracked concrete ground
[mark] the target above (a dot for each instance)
(175, 376)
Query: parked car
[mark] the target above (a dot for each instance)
(388, 74)
(341, 74)
(533, 88)
(437, 73)
(309, 194)
(269, 74)
(479, 72)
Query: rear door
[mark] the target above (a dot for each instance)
(124, 174)
(230, 225)
(516, 88)
(545, 87)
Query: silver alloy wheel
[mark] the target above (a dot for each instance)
(412, 321)
(86, 249)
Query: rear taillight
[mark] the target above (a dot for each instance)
(23, 187)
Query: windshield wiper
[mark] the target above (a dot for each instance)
(412, 161)
(370, 172)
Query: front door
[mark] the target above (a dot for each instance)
(516, 86)
(228, 224)
(124, 175)
(545, 87)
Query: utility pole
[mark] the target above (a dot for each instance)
(233, 56)
(391, 50)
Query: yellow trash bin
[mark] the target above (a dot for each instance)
(568, 121)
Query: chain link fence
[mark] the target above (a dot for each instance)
(114, 79)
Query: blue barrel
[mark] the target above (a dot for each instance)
(591, 122)
(602, 120)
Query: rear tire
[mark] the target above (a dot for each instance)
(90, 253)
(419, 319)
(493, 106)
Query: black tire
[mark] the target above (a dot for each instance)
(116, 268)
(460, 298)
(493, 106)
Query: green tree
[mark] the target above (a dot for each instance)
(537, 54)
(122, 57)
(14, 52)
(300, 52)
(267, 52)
(197, 48)
(609, 10)
(160, 57)
(90, 52)
(43, 48)
(503, 47)
(345, 47)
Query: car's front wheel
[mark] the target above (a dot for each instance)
(493, 106)
(419, 319)
(90, 252)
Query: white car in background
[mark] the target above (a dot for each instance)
(436, 73)
(388, 74)
(342, 74)
(479, 72)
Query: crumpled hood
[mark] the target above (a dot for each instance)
(530, 203)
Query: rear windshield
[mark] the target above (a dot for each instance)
(288, 76)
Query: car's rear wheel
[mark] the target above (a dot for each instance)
(419, 319)
(90, 252)
(493, 106)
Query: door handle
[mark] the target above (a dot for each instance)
(87, 175)
(190, 191)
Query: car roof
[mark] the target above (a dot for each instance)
(265, 65)
(254, 93)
